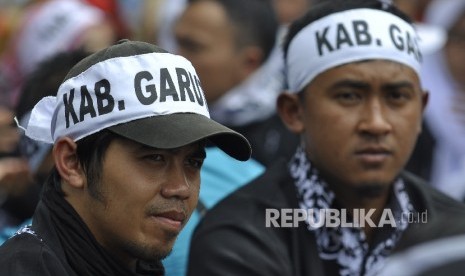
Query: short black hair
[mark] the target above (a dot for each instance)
(255, 22)
(326, 7)
(91, 151)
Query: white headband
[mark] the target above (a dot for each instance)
(346, 37)
(115, 91)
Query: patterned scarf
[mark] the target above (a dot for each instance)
(345, 245)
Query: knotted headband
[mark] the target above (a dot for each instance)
(153, 84)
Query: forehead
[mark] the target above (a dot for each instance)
(201, 17)
(370, 72)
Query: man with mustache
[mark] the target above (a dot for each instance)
(129, 126)
(343, 202)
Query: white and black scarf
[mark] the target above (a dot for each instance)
(345, 245)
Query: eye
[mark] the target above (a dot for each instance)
(154, 157)
(195, 162)
(399, 96)
(348, 97)
(188, 45)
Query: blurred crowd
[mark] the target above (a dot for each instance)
(239, 62)
(31, 33)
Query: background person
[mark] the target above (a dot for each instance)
(442, 158)
(15, 176)
(46, 28)
(231, 44)
(36, 155)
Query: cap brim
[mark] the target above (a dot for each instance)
(180, 129)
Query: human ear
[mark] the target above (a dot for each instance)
(67, 163)
(290, 111)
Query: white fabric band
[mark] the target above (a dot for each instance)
(349, 36)
(115, 91)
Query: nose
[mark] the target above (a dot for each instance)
(374, 120)
(177, 184)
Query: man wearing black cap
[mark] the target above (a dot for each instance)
(129, 125)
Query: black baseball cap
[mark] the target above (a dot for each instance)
(186, 123)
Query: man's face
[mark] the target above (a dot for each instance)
(145, 197)
(206, 38)
(361, 121)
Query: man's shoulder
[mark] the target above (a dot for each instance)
(24, 238)
(234, 237)
(19, 251)
(442, 216)
(26, 253)
(426, 197)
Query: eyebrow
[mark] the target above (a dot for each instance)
(366, 86)
(350, 83)
(397, 85)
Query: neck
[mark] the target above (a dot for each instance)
(350, 198)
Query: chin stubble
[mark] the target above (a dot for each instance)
(371, 190)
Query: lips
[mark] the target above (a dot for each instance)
(373, 155)
(173, 215)
(172, 219)
(373, 150)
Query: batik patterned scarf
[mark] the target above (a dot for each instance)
(345, 245)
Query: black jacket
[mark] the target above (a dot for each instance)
(233, 238)
(40, 254)
(40, 251)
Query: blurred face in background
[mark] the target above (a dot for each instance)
(413, 8)
(97, 37)
(206, 37)
(455, 51)
(289, 10)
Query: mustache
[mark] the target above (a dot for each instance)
(167, 206)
